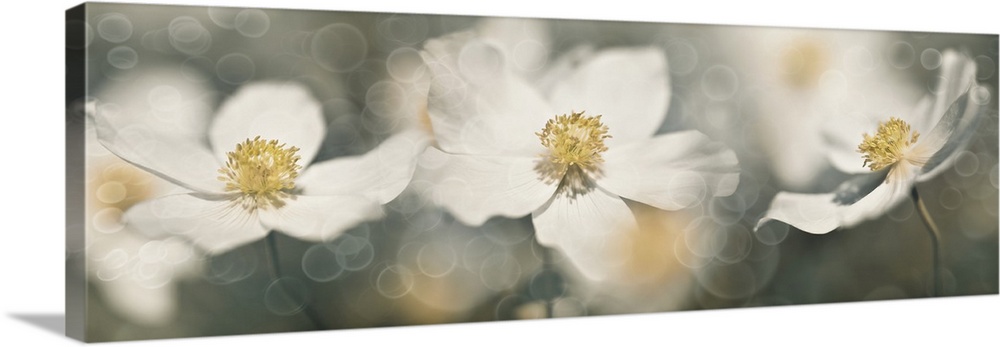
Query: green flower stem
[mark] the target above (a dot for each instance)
(271, 253)
(935, 234)
(548, 266)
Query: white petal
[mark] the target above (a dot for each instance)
(844, 121)
(213, 223)
(175, 158)
(320, 218)
(381, 174)
(843, 134)
(797, 156)
(812, 213)
(562, 68)
(629, 87)
(859, 199)
(952, 134)
(162, 99)
(958, 73)
(670, 171)
(274, 111)
(893, 189)
(585, 227)
(475, 188)
(477, 105)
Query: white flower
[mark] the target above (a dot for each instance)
(521, 42)
(255, 174)
(888, 154)
(652, 277)
(567, 155)
(135, 274)
(796, 79)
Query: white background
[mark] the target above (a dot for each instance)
(31, 191)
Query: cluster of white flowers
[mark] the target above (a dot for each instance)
(571, 142)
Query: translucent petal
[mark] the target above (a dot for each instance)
(671, 171)
(274, 111)
(958, 73)
(952, 134)
(630, 88)
(476, 104)
(215, 224)
(381, 174)
(173, 157)
(475, 188)
(584, 228)
(320, 218)
(861, 198)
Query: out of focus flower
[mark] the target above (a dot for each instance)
(567, 154)
(402, 97)
(888, 154)
(649, 276)
(135, 274)
(523, 42)
(255, 175)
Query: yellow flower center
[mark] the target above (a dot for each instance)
(262, 171)
(574, 141)
(889, 145)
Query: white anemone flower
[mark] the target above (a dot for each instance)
(522, 42)
(888, 154)
(256, 173)
(567, 155)
(799, 78)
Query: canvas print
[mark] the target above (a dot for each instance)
(246, 171)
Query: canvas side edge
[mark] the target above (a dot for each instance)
(75, 48)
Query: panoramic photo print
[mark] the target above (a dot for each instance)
(246, 171)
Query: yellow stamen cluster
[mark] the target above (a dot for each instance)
(262, 171)
(574, 141)
(889, 144)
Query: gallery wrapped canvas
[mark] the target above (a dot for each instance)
(245, 171)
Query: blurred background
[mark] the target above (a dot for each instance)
(760, 90)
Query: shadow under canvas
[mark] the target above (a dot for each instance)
(52, 322)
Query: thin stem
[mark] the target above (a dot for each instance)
(550, 303)
(271, 252)
(935, 234)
